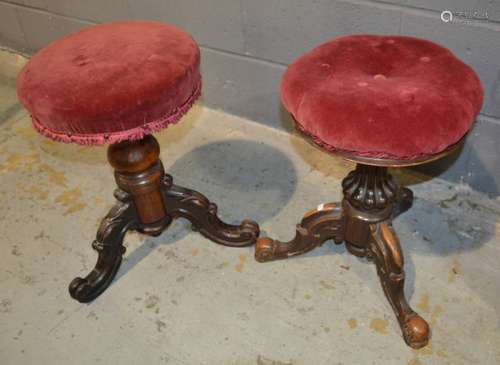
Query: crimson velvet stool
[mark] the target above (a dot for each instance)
(380, 101)
(117, 83)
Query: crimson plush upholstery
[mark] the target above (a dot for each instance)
(382, 96)
(111, 82)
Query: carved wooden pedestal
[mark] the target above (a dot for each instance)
(363, 221)
(148, 201)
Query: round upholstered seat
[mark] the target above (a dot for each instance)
(391, 97)
(111, 82)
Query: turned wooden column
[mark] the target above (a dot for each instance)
(139, 172)
(369, 196)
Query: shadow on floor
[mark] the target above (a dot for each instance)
(245, 179)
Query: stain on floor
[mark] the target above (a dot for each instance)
(71, 200)
(379, 325)
(352, 323)
(241, 264)
(423, 304)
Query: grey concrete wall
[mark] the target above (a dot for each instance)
(246, 45)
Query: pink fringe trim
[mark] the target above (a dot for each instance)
(115, 137)
(374, 154)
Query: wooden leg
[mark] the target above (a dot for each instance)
(194, 206)
(386, 252)
(317, 226)
(108, 245)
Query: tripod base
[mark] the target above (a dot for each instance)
(148, 201)
(363, 222)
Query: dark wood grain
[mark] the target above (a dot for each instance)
(108, 244)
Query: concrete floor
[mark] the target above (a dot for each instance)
(180, 299)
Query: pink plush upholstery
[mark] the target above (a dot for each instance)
(111, 82)
(382, 96)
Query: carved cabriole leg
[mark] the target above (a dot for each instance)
(108, 245)
(318, 225)
(386, 252)
(371, 200)
(202, 214)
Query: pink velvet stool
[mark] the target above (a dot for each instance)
(380, 101)
(117, 83)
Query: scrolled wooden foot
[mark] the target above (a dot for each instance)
(195, 207)
(386, 252)
(316, 227)
(108, 244)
